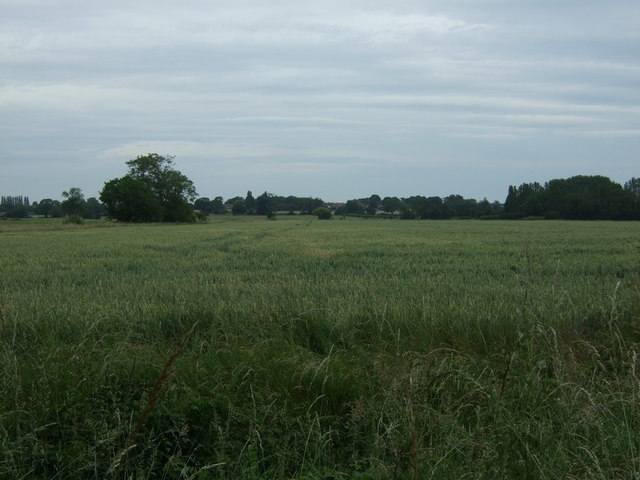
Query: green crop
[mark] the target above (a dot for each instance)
(306, 349)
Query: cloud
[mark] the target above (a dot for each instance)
(289, 86)
(194, 150)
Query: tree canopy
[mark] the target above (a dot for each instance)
(74, 202)
(576, 198)
(152, 191)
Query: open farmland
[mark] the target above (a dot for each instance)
(343, 349)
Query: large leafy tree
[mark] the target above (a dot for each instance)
(152, 191)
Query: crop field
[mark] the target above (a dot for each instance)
(243, 348)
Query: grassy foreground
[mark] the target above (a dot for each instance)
(303, 349)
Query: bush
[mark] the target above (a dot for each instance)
(75, 219)
(323, 213)
(407, 213)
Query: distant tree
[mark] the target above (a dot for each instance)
(232, 200)
(264, 205)
(306, 205)
(633, 186)
(488, 209)
(238, 207)
(94, 208)
(73, 203)
(44, 207)
(217, 206)
(391, 204)
(588, 198)
(16, 207)
(153, 190)
(353, 206)
(576, 198)
(8, 202)
(19, 211)
(458, 206)
(250, 203)
(406, 213)
(203, 204)
(56, 211)
(323, 213)
(373, 204)
(484, 208)
(341, 210)
(285, 204)
(418, 205)
(526, 200)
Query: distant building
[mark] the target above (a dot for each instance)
(334, 205)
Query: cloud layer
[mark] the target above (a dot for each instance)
(338, 99)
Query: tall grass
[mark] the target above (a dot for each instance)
(343, 349)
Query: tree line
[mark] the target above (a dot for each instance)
(576, 198)
(74, 204)
(154, 191)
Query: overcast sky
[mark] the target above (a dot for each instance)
(337, 99)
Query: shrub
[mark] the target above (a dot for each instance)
(323, 213)
(407, 213)
(75, 219)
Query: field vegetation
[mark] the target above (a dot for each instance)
(307, 349)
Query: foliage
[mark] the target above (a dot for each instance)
(201, 216)
(128, 199)
(391, 204)
(93, 208)
(406, 213)
(264, 205)
(323, 213)
(217, 206)
(45, 207)
(73, 219)
(152, 191)
(15, 207)
(18, 211)
(576, 198)
(238, 207)
(213, 207)
(373, 203)
(633, 186)
(250, 204)
(303, 205)
(353, 207)
(431, 207)
(73, 203)
(9, 201)
(203, 204)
